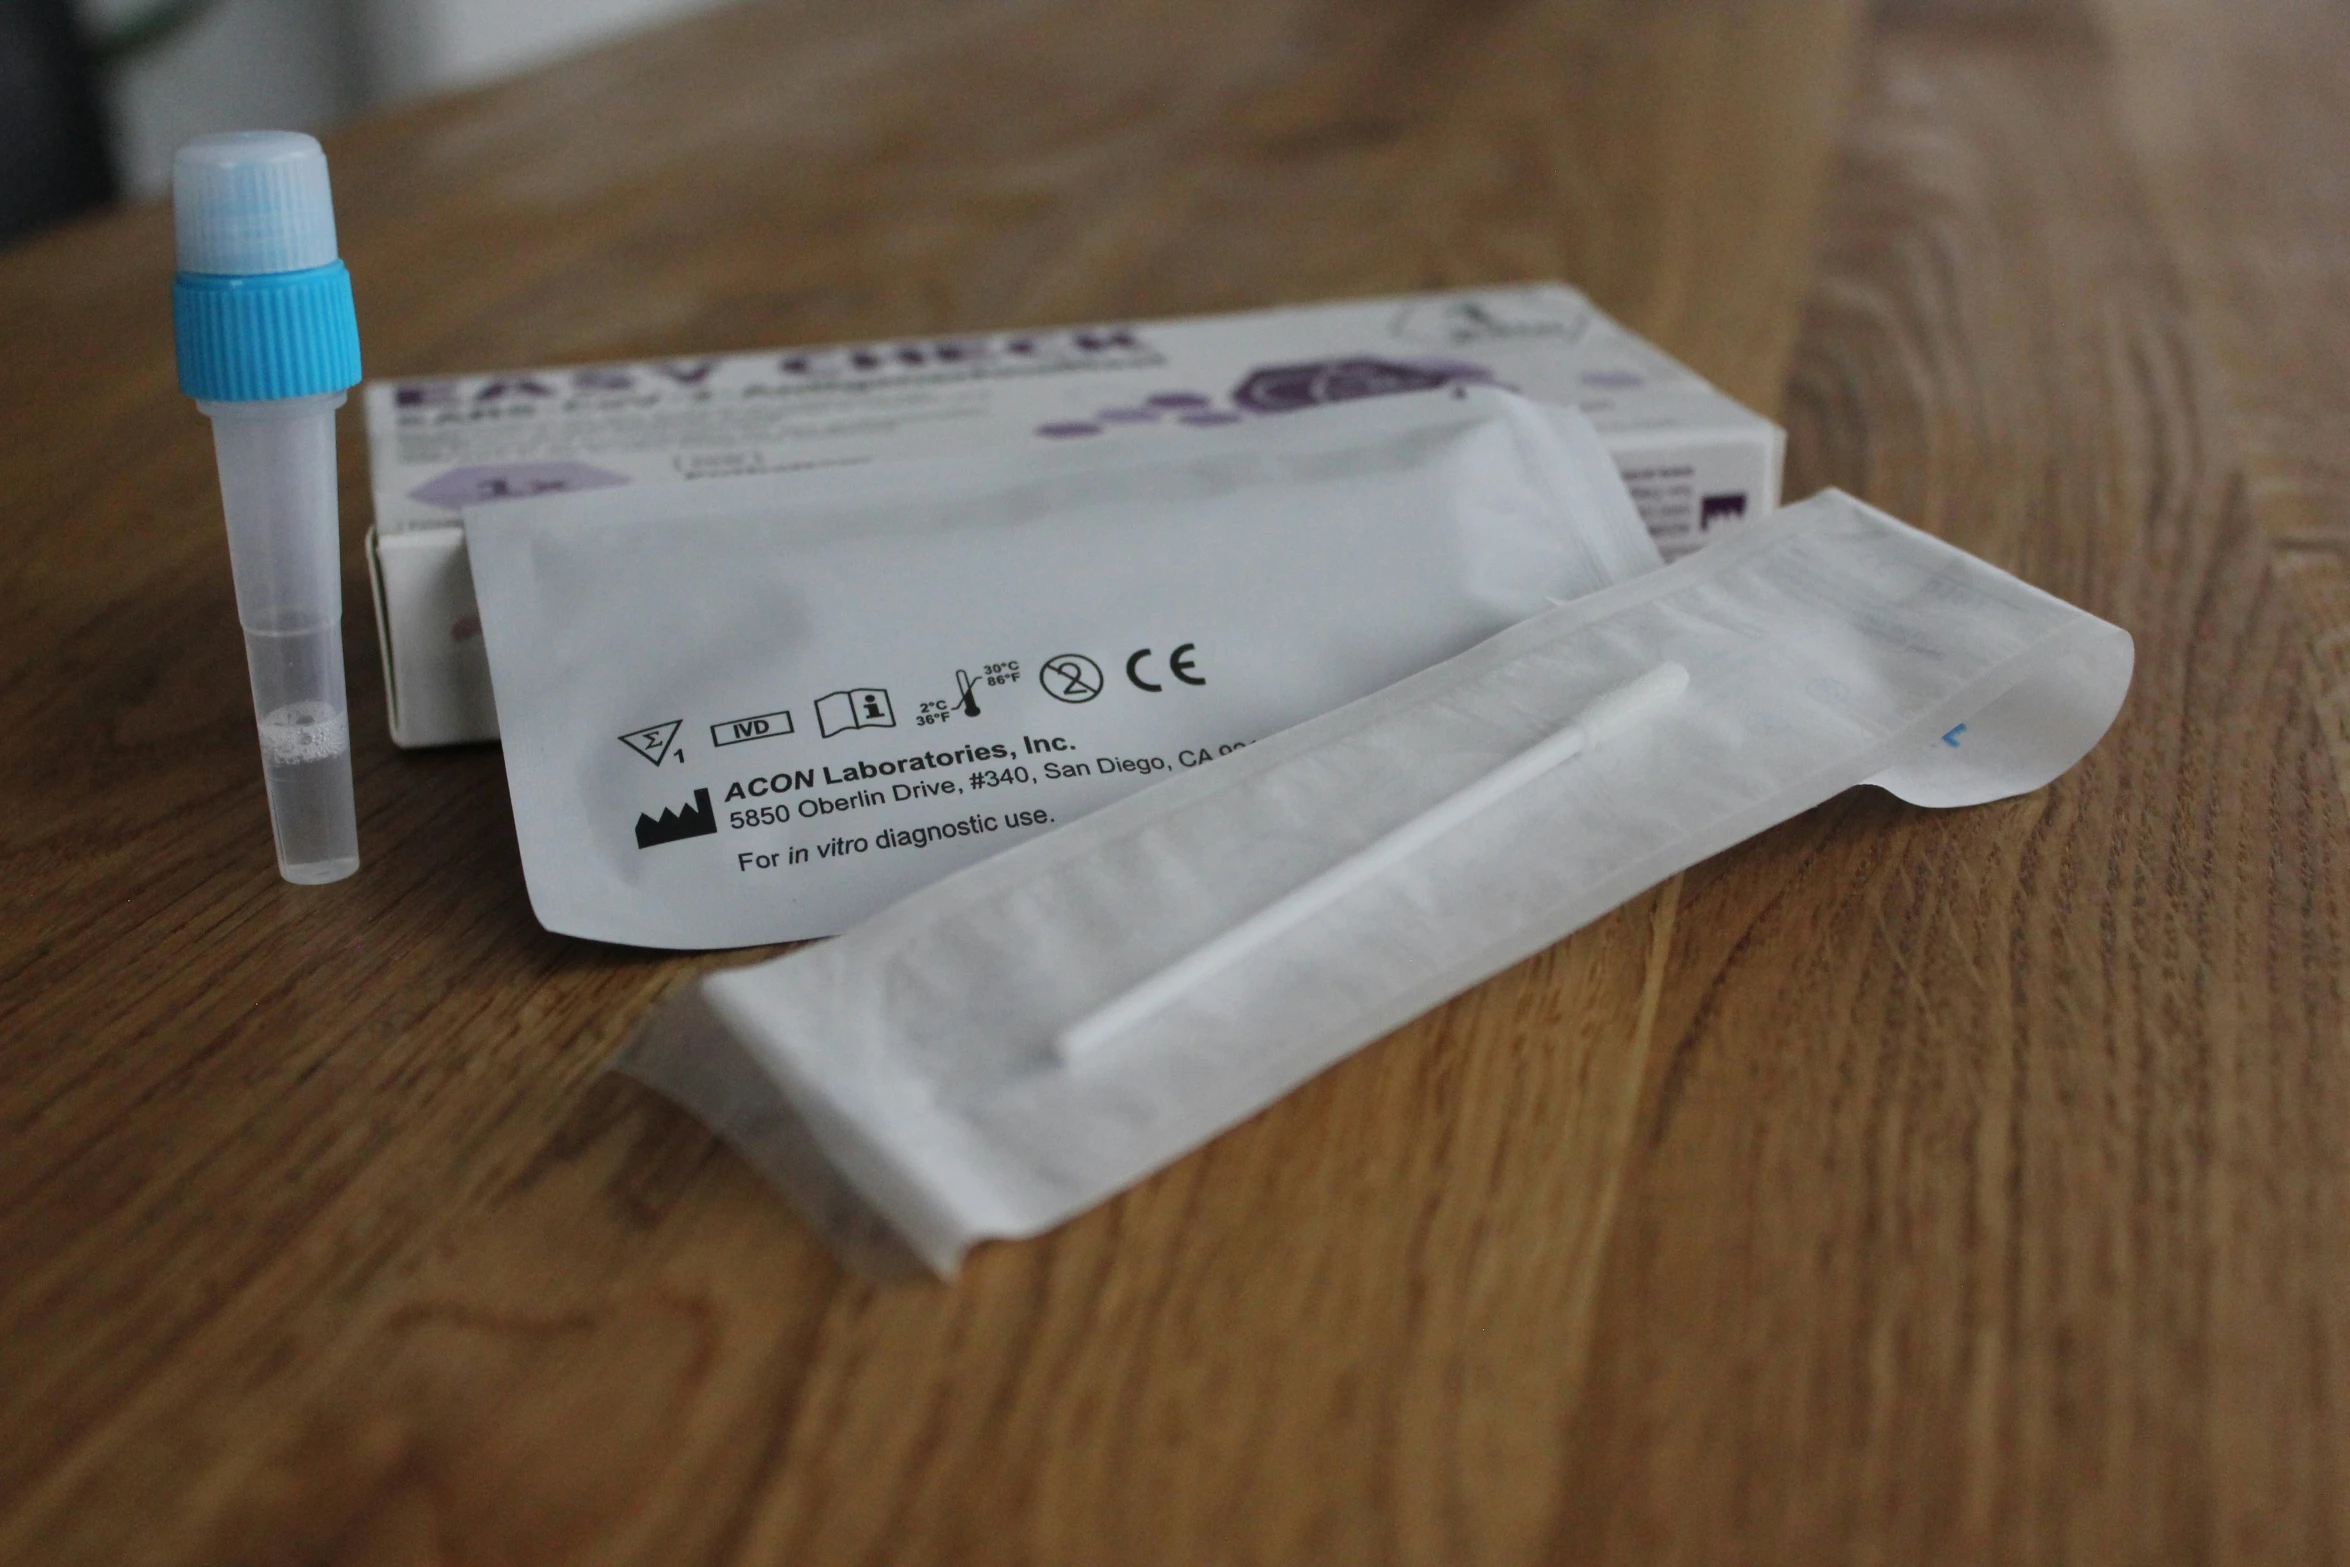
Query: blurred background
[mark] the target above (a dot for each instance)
(95, 94)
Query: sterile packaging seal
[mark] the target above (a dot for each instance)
(912, 1085)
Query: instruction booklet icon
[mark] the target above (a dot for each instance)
(865, 707)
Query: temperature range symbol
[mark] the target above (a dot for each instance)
(759, 726)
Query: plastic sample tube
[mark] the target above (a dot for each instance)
(268, 345)
(1609, 715)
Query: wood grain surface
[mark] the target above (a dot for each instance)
(1900, 1187)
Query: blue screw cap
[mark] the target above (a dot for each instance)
(262, 307)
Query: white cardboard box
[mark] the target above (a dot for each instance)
(1695, 461)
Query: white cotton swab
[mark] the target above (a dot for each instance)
(1609, 715)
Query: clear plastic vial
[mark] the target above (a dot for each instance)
(268, 346)
(277, 492)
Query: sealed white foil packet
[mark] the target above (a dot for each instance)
(760, 709)
(1014, 1044)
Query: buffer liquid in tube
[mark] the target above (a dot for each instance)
(268, 346)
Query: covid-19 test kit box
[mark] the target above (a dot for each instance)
(1695, 461)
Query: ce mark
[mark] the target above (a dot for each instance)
(1178, 664)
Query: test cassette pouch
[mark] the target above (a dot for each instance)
(996, 1053)
(903, 667)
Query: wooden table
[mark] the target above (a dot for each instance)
(1898, 1188)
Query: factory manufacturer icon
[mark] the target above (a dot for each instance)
(675, 824)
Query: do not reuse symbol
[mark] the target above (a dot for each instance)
(1070, 677)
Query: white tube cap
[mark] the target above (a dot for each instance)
(249, 202)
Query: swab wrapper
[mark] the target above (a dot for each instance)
(913, 1087)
